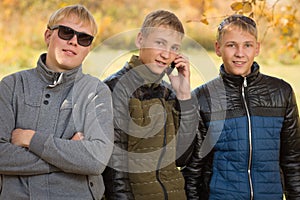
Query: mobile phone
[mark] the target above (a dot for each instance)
(171, 68)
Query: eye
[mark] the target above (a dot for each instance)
(248, 45)
(231, 45)
(160, 43)
(175, 49)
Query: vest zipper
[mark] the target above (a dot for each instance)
(157, 173)
(250, 137)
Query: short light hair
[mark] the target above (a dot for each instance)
(162, 18)
(242, 22)
(77, 10)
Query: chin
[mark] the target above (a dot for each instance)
(158, 72)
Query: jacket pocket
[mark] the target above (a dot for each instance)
(66, 127)
(96, 186)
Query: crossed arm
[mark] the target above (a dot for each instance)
(22, 137)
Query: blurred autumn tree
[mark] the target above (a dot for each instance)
(278, 22)
(22, 23)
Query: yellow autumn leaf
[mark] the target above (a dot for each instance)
(289, 8)
(247, 7)
(294, 40)
(204, 21)
(236, 6)
(285, 30)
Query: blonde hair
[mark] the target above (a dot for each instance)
(162, 18)
(77, 10)
(240, 21)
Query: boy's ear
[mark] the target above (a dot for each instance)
(138, 40)
(47, 36)
(217, 48)
(257, 49)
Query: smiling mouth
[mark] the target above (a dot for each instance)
(239, 62)
(163, 64)
(69, 51)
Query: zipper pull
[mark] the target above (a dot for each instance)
(57, 80)
(245, 82)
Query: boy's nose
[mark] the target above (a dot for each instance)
(73, 40)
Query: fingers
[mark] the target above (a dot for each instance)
(182, 64)
(78, 136)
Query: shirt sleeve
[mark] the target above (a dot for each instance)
(290, 149)
(187, 128)
(15, 160)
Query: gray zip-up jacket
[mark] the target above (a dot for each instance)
(55, 105)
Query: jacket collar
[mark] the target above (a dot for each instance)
(149, 78)
(238, 80)
(53, 78)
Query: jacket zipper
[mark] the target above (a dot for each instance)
(57, 79)
(250, 137)
(157, 173)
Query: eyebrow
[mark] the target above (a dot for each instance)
(249, 41)
(234, 42)
(162, 39)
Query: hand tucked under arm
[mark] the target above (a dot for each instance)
(22, 137)
(78, 136)
(181, 82)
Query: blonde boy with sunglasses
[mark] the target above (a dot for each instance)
(56, 122)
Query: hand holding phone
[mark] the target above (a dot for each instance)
(181, 80)
(171, 68)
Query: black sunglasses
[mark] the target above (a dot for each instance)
(234, 18)
(67, 33)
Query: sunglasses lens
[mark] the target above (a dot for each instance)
(84, 39)
(65, 33)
